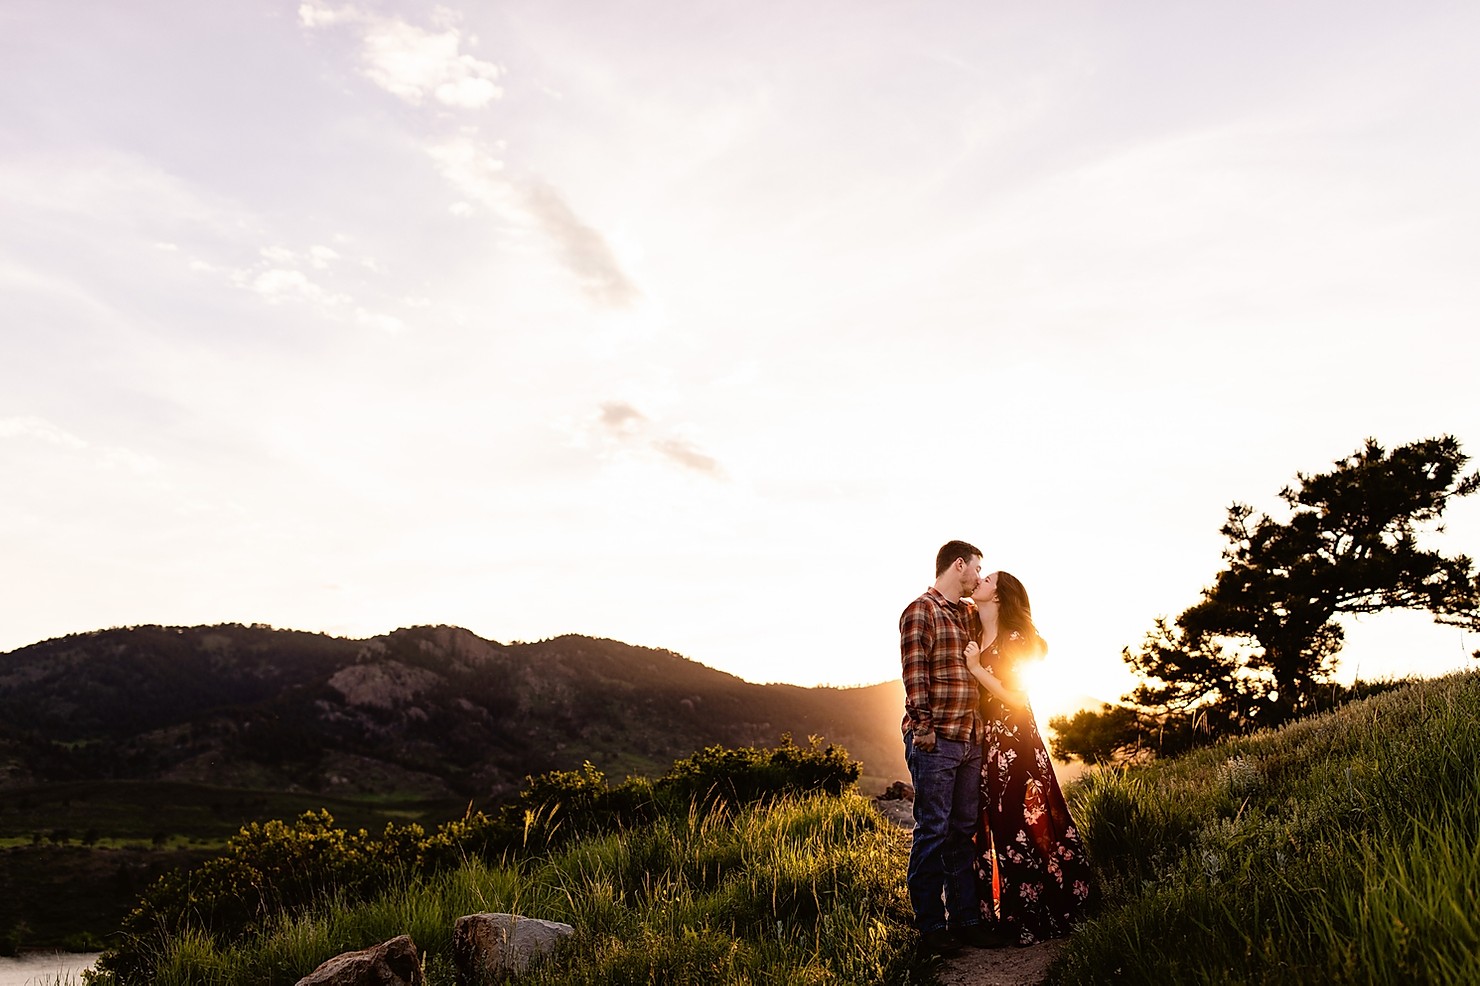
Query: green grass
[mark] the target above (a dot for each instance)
(805, 890)
(1342, 848)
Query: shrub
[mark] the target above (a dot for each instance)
(272, 871)
(801, 890)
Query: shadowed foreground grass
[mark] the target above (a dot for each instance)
(1343, 848)
(805, 890)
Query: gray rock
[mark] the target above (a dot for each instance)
(898, 791)
(392, 963)
(493, 946)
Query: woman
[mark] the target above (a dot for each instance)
(1029, 856)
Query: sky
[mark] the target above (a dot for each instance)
(703, 325)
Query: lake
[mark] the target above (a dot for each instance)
(46, 968)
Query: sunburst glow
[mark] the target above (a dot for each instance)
(1053, 689)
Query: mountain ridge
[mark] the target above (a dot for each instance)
(430, 711)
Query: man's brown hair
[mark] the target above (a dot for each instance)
(950, 551)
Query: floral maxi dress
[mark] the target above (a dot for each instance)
(1032, 873)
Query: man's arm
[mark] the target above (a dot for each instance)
(916, 641)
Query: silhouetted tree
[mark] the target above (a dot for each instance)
(1260, 646)
(1114, 732)
(1350, 546)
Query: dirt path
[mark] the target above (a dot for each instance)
(999, 966)
(982, 966)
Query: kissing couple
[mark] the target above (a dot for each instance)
(996, 859)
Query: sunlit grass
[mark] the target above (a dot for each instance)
(1342, 848)
(806, 890)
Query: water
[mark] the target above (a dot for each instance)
(46, 968)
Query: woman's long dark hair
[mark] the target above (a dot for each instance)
(1014, 612)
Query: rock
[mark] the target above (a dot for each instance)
(491, 946)
(898, 791)
(392, 963)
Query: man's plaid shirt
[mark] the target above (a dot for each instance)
(939, 692)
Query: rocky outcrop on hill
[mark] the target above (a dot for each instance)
(383, 685)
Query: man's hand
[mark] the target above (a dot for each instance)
(925, 741)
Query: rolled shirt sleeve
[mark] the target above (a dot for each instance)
(916, 642)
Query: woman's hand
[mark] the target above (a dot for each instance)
(973, 656)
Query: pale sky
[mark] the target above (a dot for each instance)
(702, 325)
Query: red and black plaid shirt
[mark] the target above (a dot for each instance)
(939, 692)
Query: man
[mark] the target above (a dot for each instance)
(942, 742)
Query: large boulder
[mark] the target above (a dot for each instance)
(493, 946)
(392, 963)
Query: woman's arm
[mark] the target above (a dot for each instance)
(990, 681)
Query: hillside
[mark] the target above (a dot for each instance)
(1339, 848)
(126, 752)
(425, 712)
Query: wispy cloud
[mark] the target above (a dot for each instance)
(39, 429)
(279, 284)
(679, 451)
(579, 248)
(411, 62)
(379, 320)
(414, 63)
(321, 256)
(624, 426)
(469, 167)
(583, 250)
(32, 428)
(312, 278)
(321, 15)
(619, 416)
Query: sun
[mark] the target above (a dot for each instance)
(1052, 691)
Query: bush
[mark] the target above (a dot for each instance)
(801, 890)
(272, 871)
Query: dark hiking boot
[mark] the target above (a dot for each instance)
(939, 942)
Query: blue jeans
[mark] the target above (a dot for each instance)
(947, 804)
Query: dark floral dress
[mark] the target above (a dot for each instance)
(1031, 868)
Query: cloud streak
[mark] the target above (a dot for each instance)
(578, 247)
(624, 426)
(582, 250)
(679, 451)
(413, 64)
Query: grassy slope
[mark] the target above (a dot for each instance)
(1339, 849)
(1343, 848)
(807, 890)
